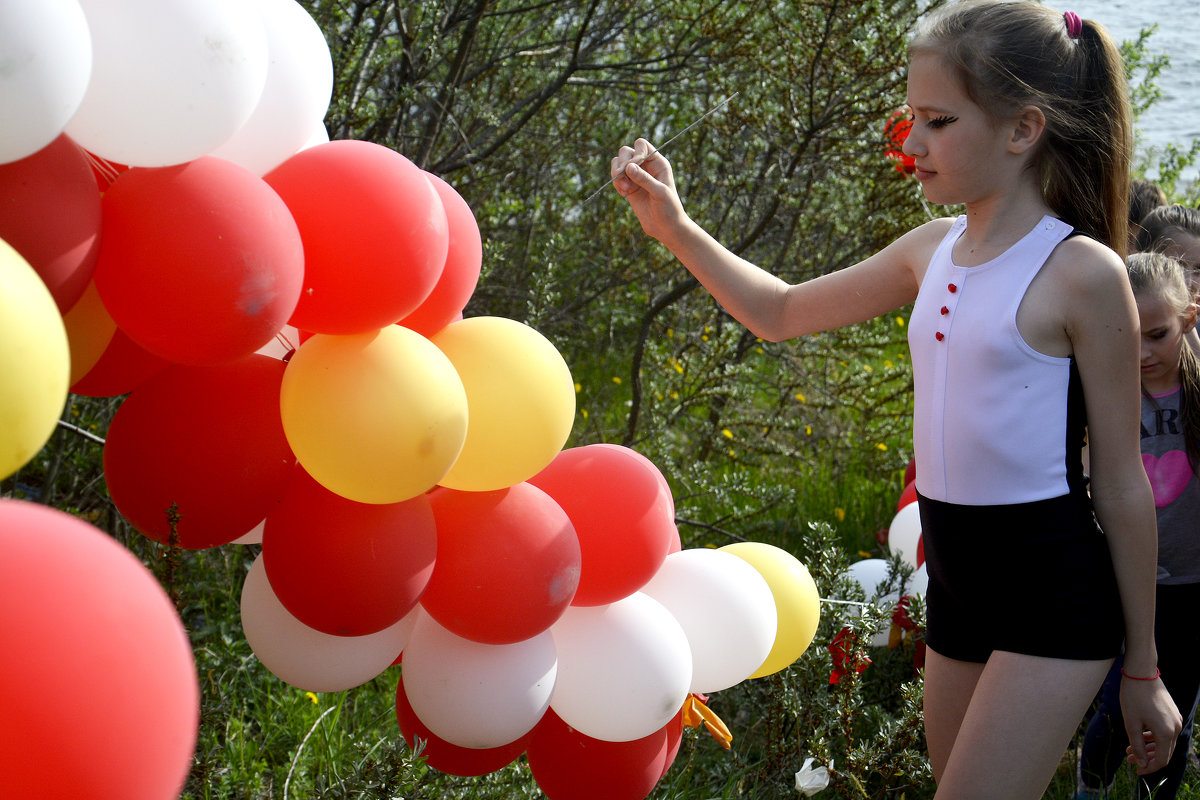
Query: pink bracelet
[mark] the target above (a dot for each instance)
(1154, 677)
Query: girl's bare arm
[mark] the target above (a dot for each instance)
(769, 306)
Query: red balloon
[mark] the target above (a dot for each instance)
(124, 366)
(461, 273)
(208, 441)
(622, 512)
(347, 568)
(205, 246)
(50, 214)
(507, 563)
(910, 471)
(375, 234)
(569, 765)
(895, 130)
(451, 758)
(909, 495)
(101, 698)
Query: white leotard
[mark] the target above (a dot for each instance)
(995, 421)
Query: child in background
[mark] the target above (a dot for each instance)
(1144, 196)
(1173, 230)
(1170, 453)
(1020, 332)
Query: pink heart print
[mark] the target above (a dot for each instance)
(1169, 475)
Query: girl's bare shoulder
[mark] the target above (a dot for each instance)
(1090, 282)
(1083, 265)
(919, 244)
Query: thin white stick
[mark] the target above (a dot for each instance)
(844, 602)
(81, 431)
(663, 146)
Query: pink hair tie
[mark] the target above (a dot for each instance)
(1074, 24)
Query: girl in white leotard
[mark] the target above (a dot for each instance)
(1021, 114)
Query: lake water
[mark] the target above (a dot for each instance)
(1174, 119)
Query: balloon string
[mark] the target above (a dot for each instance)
(303, 742)
(102, 166)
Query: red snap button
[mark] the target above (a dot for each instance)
(945, 311)
(952, 288)
(939, 336)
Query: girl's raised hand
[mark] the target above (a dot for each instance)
(643, 176)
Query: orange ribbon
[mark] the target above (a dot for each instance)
(696, 713)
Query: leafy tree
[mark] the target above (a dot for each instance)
(521, 105)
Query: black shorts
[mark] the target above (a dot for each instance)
(1032, 578)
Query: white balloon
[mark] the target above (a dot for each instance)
(307, 658)
(623, 669)
(318, 135)
(283, 345)
(477, 695)
(172, 79)
(45, 66)
(252, 536)
(918, 584)
(726, 610)
(904, 534)
(870, 574)
(296, 95)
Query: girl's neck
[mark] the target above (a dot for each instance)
(1162, 387)
(997, 222)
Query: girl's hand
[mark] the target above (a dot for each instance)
(1152, 722)
(643, 176)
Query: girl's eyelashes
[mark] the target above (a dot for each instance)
(936, 122)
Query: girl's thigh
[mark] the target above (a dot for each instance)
(1020, 718)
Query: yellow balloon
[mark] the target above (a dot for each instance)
(521, 399)
(796, 601)
(89, 331)
(375, 417)
(35, 362)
